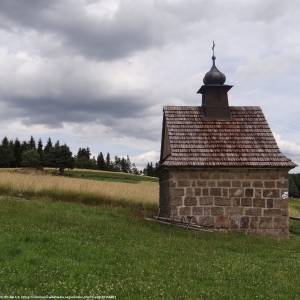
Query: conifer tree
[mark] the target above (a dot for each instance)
(100, 162)
(108, 162)
(48, 146)
(17, 153)
(7, 158)
(31, 159)
(49, 156)
(40, 151)
(63, 157)
(32, 143)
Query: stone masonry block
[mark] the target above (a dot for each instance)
(202, 183)
(190, 201)
(254, 175)
(185, 211)
(272, 212)
(270, 193)
(249, 192)
(282, 184)
(206, 200)
(177, 192)
(176, 201)
(198, 211)
(234, 211)
(215, 192)
(206, 221)
(217, 211)
(280, 222)
(259, 202)
(236, 192)
(236, 183)
(189, 192)
(270, 203)
(194, 175)
(265, 222)
(183, 183)
(205, 192)
(253, 211)
(172, 183)
(236, 201)
(254, 221)
(244, 222)
(257, 193)
(246, 201)
(206, 211)
(224, 183)
(222, 201)
(222, 222)
(215, 175)
(269, 184)
(198, 191)
(281, 203)
(225, 192)
(257, 184)
(246, 184)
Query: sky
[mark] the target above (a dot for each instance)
(97, 73)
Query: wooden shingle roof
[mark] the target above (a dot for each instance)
(244, 140)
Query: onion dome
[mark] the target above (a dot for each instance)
(214, 76)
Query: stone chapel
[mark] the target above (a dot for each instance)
(220, 165)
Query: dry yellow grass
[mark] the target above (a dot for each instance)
(142, 192)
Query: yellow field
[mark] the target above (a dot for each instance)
(142, 192)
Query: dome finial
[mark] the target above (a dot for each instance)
(214, 76)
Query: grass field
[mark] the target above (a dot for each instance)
(294, 207)
(48, 247)
(54, 248)
(108, 176)
(94, 192)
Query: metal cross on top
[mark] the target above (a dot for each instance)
(213, 48)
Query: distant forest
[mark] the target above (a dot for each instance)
(15, 154)
(294, 185)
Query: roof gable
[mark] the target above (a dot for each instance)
(244, 140)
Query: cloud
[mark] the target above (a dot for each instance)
(291, 149)
(102, 30)
(142, 159)
(109, 66)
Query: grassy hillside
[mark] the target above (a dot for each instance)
(51, 248)
(108, 176)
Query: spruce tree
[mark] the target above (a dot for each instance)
(17, 153)
(32, 143)
(108, 162)
(49, 157)
(48, 146)
(7, 158)
(100, 161)
(40, 151)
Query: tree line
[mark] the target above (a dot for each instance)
(294, 185)
(14, 154)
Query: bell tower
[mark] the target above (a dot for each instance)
(214, 93)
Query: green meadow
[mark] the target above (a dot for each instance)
(52, 247)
